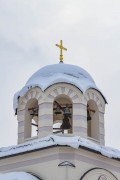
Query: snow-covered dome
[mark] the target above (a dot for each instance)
(17, 176)
(59, 73)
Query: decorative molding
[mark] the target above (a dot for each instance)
(66, 163)
(34, 93)
(39, 158)
(94, 95)
(63, 89)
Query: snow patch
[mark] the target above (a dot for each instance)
(17, 176)
(52, 140)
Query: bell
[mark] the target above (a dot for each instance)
(88, 116)
(67, 111)
(65, 123)
(34, 111)
(58, 110)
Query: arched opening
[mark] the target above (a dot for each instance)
(98, 174)
(62, 115)
(92, 120)
(31, 119)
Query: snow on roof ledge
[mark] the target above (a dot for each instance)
(58, 73)
(52, 141)
(17, 176)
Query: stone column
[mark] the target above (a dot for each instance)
(80, 120)
(101, 128)
(45, 119)
(21, 118)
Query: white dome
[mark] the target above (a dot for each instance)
(58, 73)
(61, 72)
(18, 176)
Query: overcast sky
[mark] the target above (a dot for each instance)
(29, 30)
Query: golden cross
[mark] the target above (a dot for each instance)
(61, 48)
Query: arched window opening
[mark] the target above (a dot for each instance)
(62, 115)
(31, 119)
(92, 120)
(98, 174)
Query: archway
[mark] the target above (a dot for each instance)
(92, 120)
(62, 115)
(31, 118)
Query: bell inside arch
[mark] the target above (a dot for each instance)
(66, 124)
(58, 110)
(67, 111)
(33, 111)
(88, 113)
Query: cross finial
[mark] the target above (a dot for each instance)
(61, 48)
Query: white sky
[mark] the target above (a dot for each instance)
(29, 30)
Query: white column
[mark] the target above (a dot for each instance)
(45, 119)
(80, 120)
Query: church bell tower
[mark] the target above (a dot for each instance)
(60, 99)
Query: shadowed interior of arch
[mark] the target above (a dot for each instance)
(31, 118)
(62, 115)
(92, 120)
